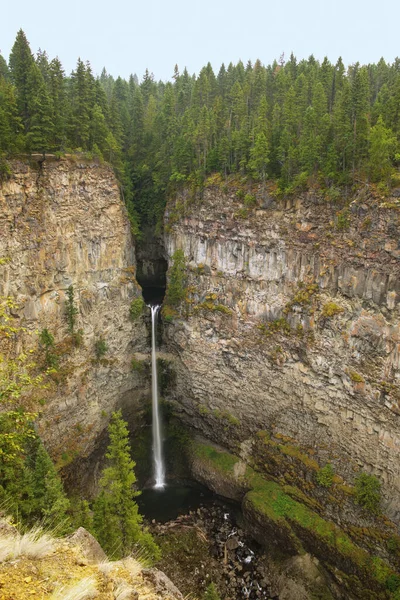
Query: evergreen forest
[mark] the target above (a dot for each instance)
(301, 124)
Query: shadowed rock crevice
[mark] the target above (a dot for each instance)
(151, 267)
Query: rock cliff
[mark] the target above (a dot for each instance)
(62, 223)
(291, 326)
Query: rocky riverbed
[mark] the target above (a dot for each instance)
(207, 546)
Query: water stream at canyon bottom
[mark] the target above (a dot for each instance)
(159, 471)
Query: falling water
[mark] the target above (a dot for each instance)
(157, 449)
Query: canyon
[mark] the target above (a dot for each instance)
(293, 326)
(282, 356)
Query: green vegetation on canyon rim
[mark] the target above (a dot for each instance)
(298, 122)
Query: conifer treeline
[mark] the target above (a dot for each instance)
(292, 121)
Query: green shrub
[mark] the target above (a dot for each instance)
(368, 492)
(5, 170)
(277, 326)
(343, 220)
(136, 308)
(100, 348)
(249, 201)
(168, 313)
(46, 340)
(137, 365)
(325, 475)
(393, 582)
(333, 194)
(393, 544)
(211, 593)
(77, 338)
(176, 289)
(330, 309)
(355, 377)
(242, 213)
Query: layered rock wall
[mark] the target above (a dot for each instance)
(62, 223)
(291, 325)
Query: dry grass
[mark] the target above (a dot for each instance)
(55, 569)
(133, 566)
(124, 592)
(83, 590)
(106, 566)
(34, 544)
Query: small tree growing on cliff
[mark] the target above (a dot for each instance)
(117, 522)
(368, 492)
(47, 342)
(70, 309)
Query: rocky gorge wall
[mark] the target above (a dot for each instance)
(62, 223)
(291, 327)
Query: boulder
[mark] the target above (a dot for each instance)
(89, 546)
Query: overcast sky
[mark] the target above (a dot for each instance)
(128, 36)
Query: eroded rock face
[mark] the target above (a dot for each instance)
(292, 326)
(62, 223)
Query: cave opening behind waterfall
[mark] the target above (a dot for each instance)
(151, 267)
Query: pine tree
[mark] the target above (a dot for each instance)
(60, 106)
(259, 157)
(11, 139)
(48, 502)
(21, 61)
(81, 107)
(4, 71)
(40, 127)
(81, 514)
(117, 522)
(381, 151)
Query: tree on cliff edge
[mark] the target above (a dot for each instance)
(117, 522)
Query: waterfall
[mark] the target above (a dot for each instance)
(157, 445)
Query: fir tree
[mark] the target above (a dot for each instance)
(381, 150)
(10, 122)
(40, 127)
(21, 61)
(117, 522)
(60, 105)
(48, 502)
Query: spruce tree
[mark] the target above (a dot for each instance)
(60, 106)
(48, 501)
(117, 522)
(81, 108)
(21, 61)
(4, 71)
(381, 150)
(11, 139)
(40, 127)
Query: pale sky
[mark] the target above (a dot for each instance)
(128, 36)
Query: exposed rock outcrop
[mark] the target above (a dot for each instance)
(62, 223)
(291, 325)
(35, 564)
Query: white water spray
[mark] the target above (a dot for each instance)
(159, 474)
